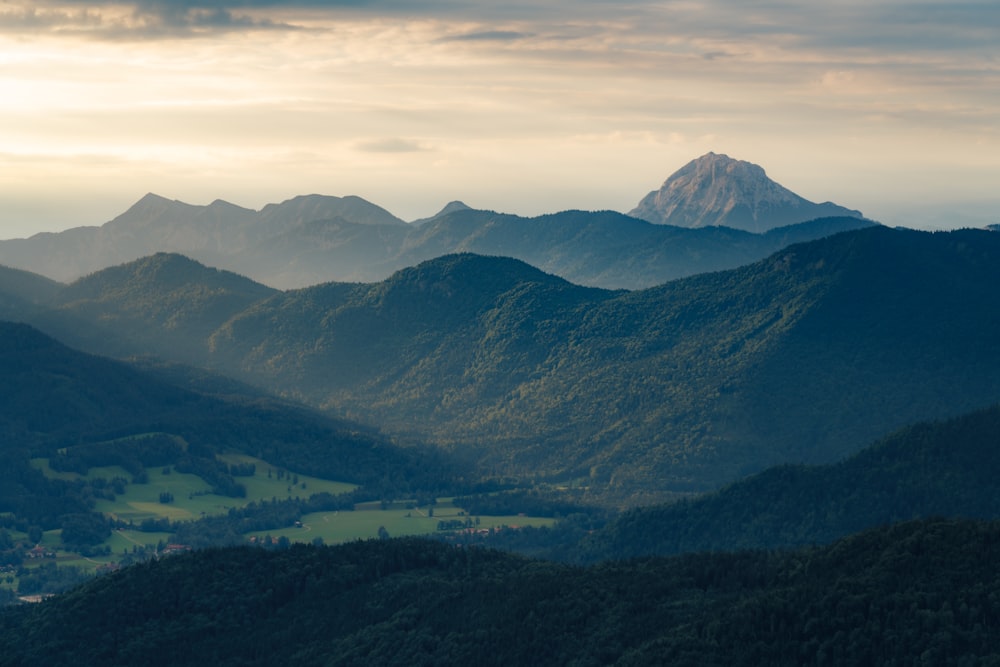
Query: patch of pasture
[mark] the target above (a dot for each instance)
(192, 499)
(271, 481)
(191, 495)
(364, 523)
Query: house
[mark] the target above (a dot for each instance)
(172, 549)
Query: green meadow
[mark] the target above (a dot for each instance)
(398, 520)
(192, 500)
(192, 496)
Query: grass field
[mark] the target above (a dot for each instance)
(364, 522)
(192, 496)
(192, 499)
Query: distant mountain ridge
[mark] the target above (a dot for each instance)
(313, 239)
(209, 233)
(716, 190)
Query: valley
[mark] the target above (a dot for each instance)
(143, 517)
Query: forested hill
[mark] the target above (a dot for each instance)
(164, 300)
(803, 357)
(22, 291)
(600, 249)
(946, 468)
(918, 593)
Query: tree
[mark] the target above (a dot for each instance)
(84, 529)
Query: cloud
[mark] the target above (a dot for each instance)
(876, 26)
(392, 145)
(488, 36)
(142, 20)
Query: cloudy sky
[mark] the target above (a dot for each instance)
(888, 106)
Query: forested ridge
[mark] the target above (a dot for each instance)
(631, 397)
(923, 592)
(943, 468)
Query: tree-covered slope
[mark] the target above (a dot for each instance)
(604, 248)
(162, 301)
(947, 468)
(919, 592)
(906, 331)
(22, 293)
(800, 358)
(440, 327)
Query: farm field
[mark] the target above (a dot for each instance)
(192, 496)
(192, 499)
(398, 521)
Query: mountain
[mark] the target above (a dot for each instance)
(154, 298)
(154, 224)
(716, 190)
(450, 207)
(633, 396)
(606, 249)
(21, 292)
(308, 208)
(946, 468)
(803, 357)
(313, 239)
(922, 592)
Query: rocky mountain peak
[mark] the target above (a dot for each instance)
(717, 190)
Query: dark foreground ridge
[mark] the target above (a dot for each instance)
(924, 592)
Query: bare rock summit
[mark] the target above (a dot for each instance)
(716, 190)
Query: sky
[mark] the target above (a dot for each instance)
(887, 106)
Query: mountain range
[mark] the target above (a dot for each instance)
(313, 239)
(803, 357)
